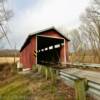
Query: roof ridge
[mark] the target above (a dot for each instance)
(41, 31)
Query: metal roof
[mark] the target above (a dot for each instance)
(38, 33)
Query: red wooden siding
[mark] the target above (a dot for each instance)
(66, 50)
(27, 57)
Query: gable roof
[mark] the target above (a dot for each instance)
(38, 33)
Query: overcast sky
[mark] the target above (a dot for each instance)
(34, 15)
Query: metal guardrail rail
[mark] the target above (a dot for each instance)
(93, 87)
(84, 65)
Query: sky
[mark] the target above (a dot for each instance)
(34, 15)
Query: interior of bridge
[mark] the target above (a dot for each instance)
(48, 50)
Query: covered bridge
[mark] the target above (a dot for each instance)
(47, 46)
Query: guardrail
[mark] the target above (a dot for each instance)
(84, 65)
(93, 87)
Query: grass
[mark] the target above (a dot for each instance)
(34, 86)
(31, 87)
(15, 90)
(84, 59)
(8, 60)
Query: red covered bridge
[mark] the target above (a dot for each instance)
(47, 46)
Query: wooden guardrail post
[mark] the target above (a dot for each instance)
(39, 68)
(46, 73)
(80, 89)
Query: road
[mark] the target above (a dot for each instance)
(89, 75)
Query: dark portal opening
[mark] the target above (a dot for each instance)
(47, 50)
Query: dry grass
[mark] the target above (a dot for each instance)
(32, 86)
(8, 60)
(35, 87)
(7, 71)
(84, 59)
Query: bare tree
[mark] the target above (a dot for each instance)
(91, 27)
(78, 46)
(5, 15)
